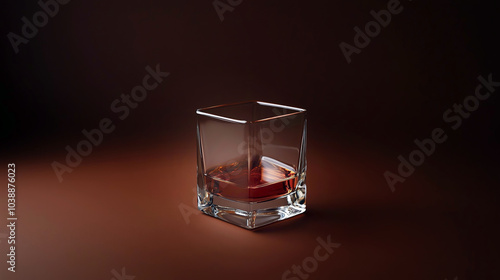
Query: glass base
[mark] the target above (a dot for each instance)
(251, 215)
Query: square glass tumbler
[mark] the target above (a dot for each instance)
(252, 162)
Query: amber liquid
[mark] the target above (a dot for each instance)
(267, 180)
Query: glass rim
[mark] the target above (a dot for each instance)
(202, 111)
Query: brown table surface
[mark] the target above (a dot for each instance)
(121, 209)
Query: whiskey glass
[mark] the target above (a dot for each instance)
(251, 162)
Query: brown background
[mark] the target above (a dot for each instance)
(120, 207)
